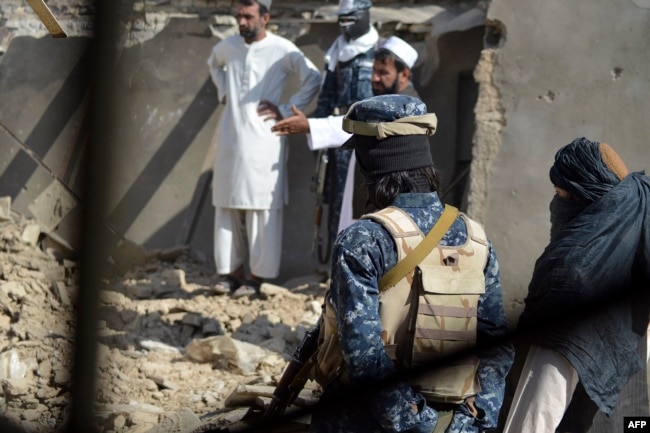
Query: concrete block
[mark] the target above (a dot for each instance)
(5, 208)
(30, 234)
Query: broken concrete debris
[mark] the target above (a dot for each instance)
(171, 355)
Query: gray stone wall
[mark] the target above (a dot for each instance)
(545, 73)
(562, 70)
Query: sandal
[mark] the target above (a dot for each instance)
(226, 284)
(247, 288)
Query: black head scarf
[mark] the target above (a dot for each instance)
(579, 169)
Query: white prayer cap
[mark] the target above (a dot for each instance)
(401, 49)
(266, 3)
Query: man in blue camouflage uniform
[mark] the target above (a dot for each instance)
(363, 253)
(348, 79)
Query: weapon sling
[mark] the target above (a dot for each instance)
(406, 265)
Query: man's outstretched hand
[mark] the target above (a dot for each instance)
(296, 124)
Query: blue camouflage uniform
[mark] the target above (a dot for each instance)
(362, 254)
(350, 82)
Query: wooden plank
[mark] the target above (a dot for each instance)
(48, 19)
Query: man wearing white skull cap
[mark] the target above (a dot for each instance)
(391, 74)
(402, 49)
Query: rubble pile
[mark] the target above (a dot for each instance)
(169, 350)
(37, 322)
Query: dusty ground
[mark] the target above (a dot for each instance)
(167, 345)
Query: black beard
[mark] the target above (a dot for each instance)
(249, 34)
(392, 90)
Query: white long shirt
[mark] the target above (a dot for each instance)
(327, 132)
(250, 160)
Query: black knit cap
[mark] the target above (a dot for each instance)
(386, 144)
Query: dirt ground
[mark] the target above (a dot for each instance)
(169, 348)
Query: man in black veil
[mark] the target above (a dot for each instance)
(587, 306)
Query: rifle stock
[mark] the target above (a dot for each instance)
(318, 188)
(295, 375)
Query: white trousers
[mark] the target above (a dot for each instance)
(543, 392)
(258, 232)
(348, 194)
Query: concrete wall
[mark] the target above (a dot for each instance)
(561, 70)
(543, 73)
(458, 53)
(166, 112)
(43, 130)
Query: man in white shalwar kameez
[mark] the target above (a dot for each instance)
(250, 187)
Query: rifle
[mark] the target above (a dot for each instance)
(295, 375)
(318, 188)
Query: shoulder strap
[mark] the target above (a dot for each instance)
(418, 254)
(398, 223)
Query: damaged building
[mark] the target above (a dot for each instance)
(108, 113)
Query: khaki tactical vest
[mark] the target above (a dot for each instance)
(429, 314)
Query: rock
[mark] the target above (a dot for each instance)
(212, 327)
(119, 422)
(14, 388)
(61, 292)
(274, 344)
(30, 415)
(139, 291)
(30, 234)
(143, 418)
(128, 254)
(61, 377)
(304, 280)
(11, 367)
(239, 355)
(150, 385)
(175, 277)
(14, 289)
(163, 382)
(192, 319)
(183, 421)
(271, 290)
(44, 369)
(5, 208)
(111, 297)
(162, 347)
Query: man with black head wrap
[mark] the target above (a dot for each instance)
(365, 308)
(587, 306)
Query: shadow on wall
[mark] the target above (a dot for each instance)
(45, 125)
(187, 219)
(193, 120)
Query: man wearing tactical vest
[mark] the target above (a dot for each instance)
(399, 304)
(348, 73)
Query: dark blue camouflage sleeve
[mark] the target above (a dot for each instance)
(327, 96)
(355, 296)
